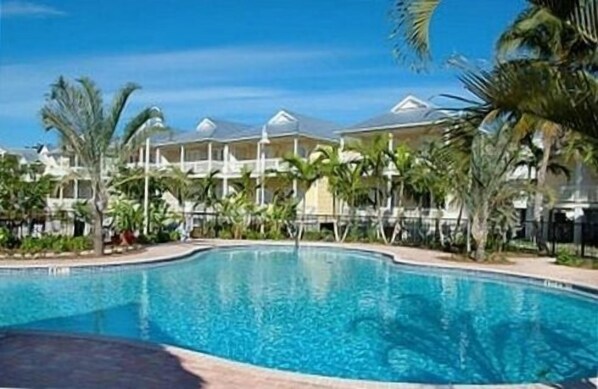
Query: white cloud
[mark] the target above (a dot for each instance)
(245, 83)
(26, 8)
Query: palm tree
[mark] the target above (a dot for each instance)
(375, 160)
(280, 212)
(402, 159)
(35, 190)
(413, 20)
(306, 173)
(433, 178)
(180, 185)
(331, 162)
(538, 34)
(492, 158)
(559, 85)
(352, 190)
(89, 129)
(205, 191)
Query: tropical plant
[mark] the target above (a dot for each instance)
(374, 161)
(130, 182)
(204, 190)
(88, 129)
(540, 35)
(557, 18)
(353, 190)
(332, 164)
(83, 211)
(233, 208)
(492, 157)
(431, 177)
(305, 172)
(24, 190)
(127, 218)
(279, 213)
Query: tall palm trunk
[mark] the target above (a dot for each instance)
(335, 219)
(398, 227)
(349, 223)
(539, 196)
(479, 231)
(98, 233)
(302, 220)
(380, 214)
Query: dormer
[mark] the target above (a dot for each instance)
(206, 125)
(282, 117)
(409, 103)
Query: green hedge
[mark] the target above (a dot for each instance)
(50, 244)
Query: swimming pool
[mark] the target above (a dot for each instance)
(323, 311)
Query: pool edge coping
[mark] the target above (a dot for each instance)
(266, 372)
(201, 245)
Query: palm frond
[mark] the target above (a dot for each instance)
(118, 106)
(580, 14)
(412, 31)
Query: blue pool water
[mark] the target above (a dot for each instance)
(324, 311)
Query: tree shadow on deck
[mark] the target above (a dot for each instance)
(50, 360)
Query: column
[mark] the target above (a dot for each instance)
(225, 169)
(263, 170)
(140, 156)
(146, 189)
(259, 171)
(296, 153)
(76, 188)
(224, 186)
(258, 157)
(342, 144)
(390, 173)
(389, 192)
(209, 157)
(158, 157)
(578, 200)
(182, 157)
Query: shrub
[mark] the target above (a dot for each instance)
(5, 237)
(225, 234)
(174, 236)
(31, 245)
(79, 244)
(312, 235)
(568, 258)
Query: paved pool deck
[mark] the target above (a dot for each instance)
(53, 360)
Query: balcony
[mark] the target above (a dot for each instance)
(584, 194)
(203, 167)
(236, 167)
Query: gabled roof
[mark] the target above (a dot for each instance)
(210, 129)
(286, 122)
(409, 112)
(25, 155)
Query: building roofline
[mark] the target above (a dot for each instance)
(387, 127)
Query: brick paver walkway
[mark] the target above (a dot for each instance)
(38, 360)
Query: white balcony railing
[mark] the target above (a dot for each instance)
(581, 194)
(238, 166)
(275, 164)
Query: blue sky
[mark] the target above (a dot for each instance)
(234, 60)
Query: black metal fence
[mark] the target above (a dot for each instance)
(580, 238)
